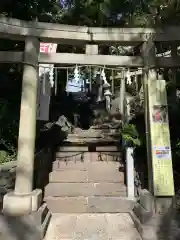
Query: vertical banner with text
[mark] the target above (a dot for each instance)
(44, 86)
(163, 182)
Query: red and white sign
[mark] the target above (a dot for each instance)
(48, 47)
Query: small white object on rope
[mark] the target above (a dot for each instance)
(106, 85)
(51, 76)
(103, 75)
(128, 76)
(95, 72)
(76, 75)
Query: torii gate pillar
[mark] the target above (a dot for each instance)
(161, 183)
(157, 201)
(23, 200)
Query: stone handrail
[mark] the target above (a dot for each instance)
(20, 29)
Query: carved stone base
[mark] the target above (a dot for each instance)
(28, 227)
(155, 218)
(20, 205)
(147, 231)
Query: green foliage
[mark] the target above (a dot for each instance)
(130, 135)
(95, 12)
(155, 12)
(118, 13)
(42, 10)
(7, 157)
(8, 132)
(11, 74)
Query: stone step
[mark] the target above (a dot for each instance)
(93, 174)
(89, 204)
(84, 189)
(71, 156)
(94, 226)
(86, 149)
(62, 165)
(71, 165)
(72, 149)
(88, 156)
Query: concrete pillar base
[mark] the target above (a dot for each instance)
(28, 227)
(155, 218)
(20, 205)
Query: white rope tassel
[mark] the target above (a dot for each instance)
(103, 75)
(128, 76)
(51, 76)
(76, 74)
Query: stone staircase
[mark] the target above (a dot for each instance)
(87, 178)
(87, 194)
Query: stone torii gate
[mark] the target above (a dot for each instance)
(24, 200)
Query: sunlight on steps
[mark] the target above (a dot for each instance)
(92, 227)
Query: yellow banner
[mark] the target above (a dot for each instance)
(163, 182)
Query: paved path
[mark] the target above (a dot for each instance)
(92, 227)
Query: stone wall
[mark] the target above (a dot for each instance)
(7, 178)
